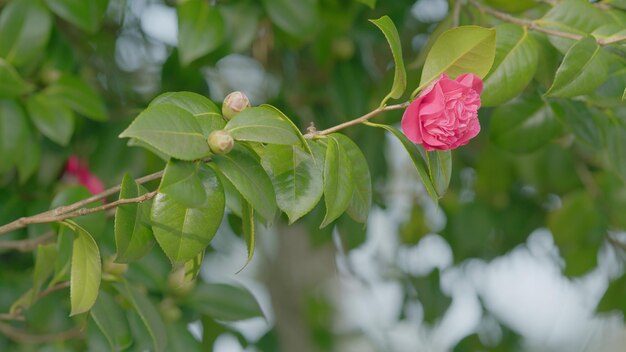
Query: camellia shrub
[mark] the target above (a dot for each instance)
(529, 94)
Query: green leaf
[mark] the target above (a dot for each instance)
(111, 320)
(180, 337)
(338, 184)
(182, 231)
(295, 128)
(297, 180)
(148, 313)
(182, 182)
(86, 270)
(361, 201)
(53, 119)
(79, 96)
(13, 126)
(583, 69)
(415, 155)
(297, 18)
(12, 84)
(385, 24)
(465, 49)
(247, 218)
(200, 29)
(624, 95)
(514, 65)
(133, 234)
(224, 302)
(24, 28)
(64, 255)
(245, 173)
(262, 124)
(171, 130)
(85, 15)
(440, 169)
(193, 266)
(44, 267)
(207, 114)
(524, 125)
(370, 3)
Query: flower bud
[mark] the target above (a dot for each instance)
(113, 268)
(220, 142)
(234, 103)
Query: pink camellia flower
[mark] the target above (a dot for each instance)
(83, 175)
(445, 115)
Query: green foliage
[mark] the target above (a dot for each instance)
(200, 29)
(466, 49)
(86, 15)
(393, 38)
(224, 302)
(111, 320)
(133, 234)
(262, 124)
(338, 184)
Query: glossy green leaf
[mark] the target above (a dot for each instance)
(295, 128)
(86, 15)
(224, 302)
(86, 270)
(182, 181)
(512, 6)
(418, 161)
(182, 231)
(200, 29)
(385, 24)
(247, 218)
(62, 263)
(514, 65)
(179, 337)
(79, 96)
(524, 125)
(465, 49)
(12, 84)
(361, 201)
(297, 18)
(148, 313)
(297, 180)
(583, 69)
(112, 322)
(53, 119)
(249, 178)
(12, 128)
(440, 169)
(171, 130)
(338, 182)
(262, 124)
(24, 28)
(133, 234)
(572, 16)
(207, 114)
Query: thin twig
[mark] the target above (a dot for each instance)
(28, 244)
(76, 209)
(535, 25)
(49, 290)
(356, 121)
(8, 316)
(80, 209)
(22, 336)
(456, 13)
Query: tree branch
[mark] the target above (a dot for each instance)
(28, 244)
(356, 121)
(22, 336)
(80, 209)
(535, 26)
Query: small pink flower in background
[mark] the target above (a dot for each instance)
(83, 175)
(445, 115)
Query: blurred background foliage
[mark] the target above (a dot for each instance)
(73, 74)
